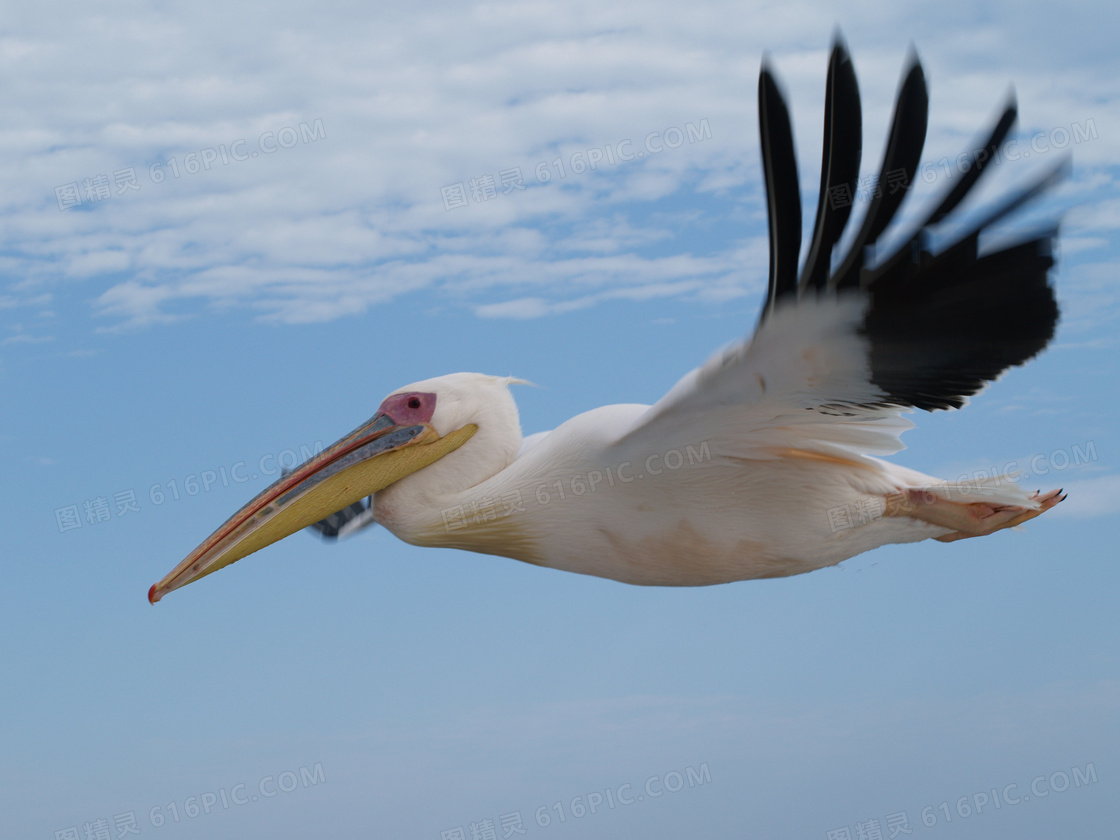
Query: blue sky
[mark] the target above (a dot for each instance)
(169, 340)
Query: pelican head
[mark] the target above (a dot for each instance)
(414, 427)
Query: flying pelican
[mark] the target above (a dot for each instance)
(760, 463)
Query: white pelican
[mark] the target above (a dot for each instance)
(761, 462)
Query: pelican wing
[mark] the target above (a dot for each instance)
(840, 353)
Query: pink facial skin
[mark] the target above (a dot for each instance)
(409, 409)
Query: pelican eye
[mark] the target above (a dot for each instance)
(414, 402)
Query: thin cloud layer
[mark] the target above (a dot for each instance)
(517, 160)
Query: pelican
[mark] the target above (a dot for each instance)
(763, 462)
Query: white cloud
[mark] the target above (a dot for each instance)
(27, 338)
(522, 308)
(1091, 497)
(382, 109)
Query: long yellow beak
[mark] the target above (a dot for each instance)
(367, 460)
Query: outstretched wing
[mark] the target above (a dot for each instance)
(841, 352)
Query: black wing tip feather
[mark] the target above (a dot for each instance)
(940, 325)
(982, 155)
(839, 51)
(938, 336)
(901, 159)
(783, 195)
(840, 160)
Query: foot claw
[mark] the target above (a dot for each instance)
(979, 519)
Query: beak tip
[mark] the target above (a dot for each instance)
(153, 596)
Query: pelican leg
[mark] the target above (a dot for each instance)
(977, 519)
